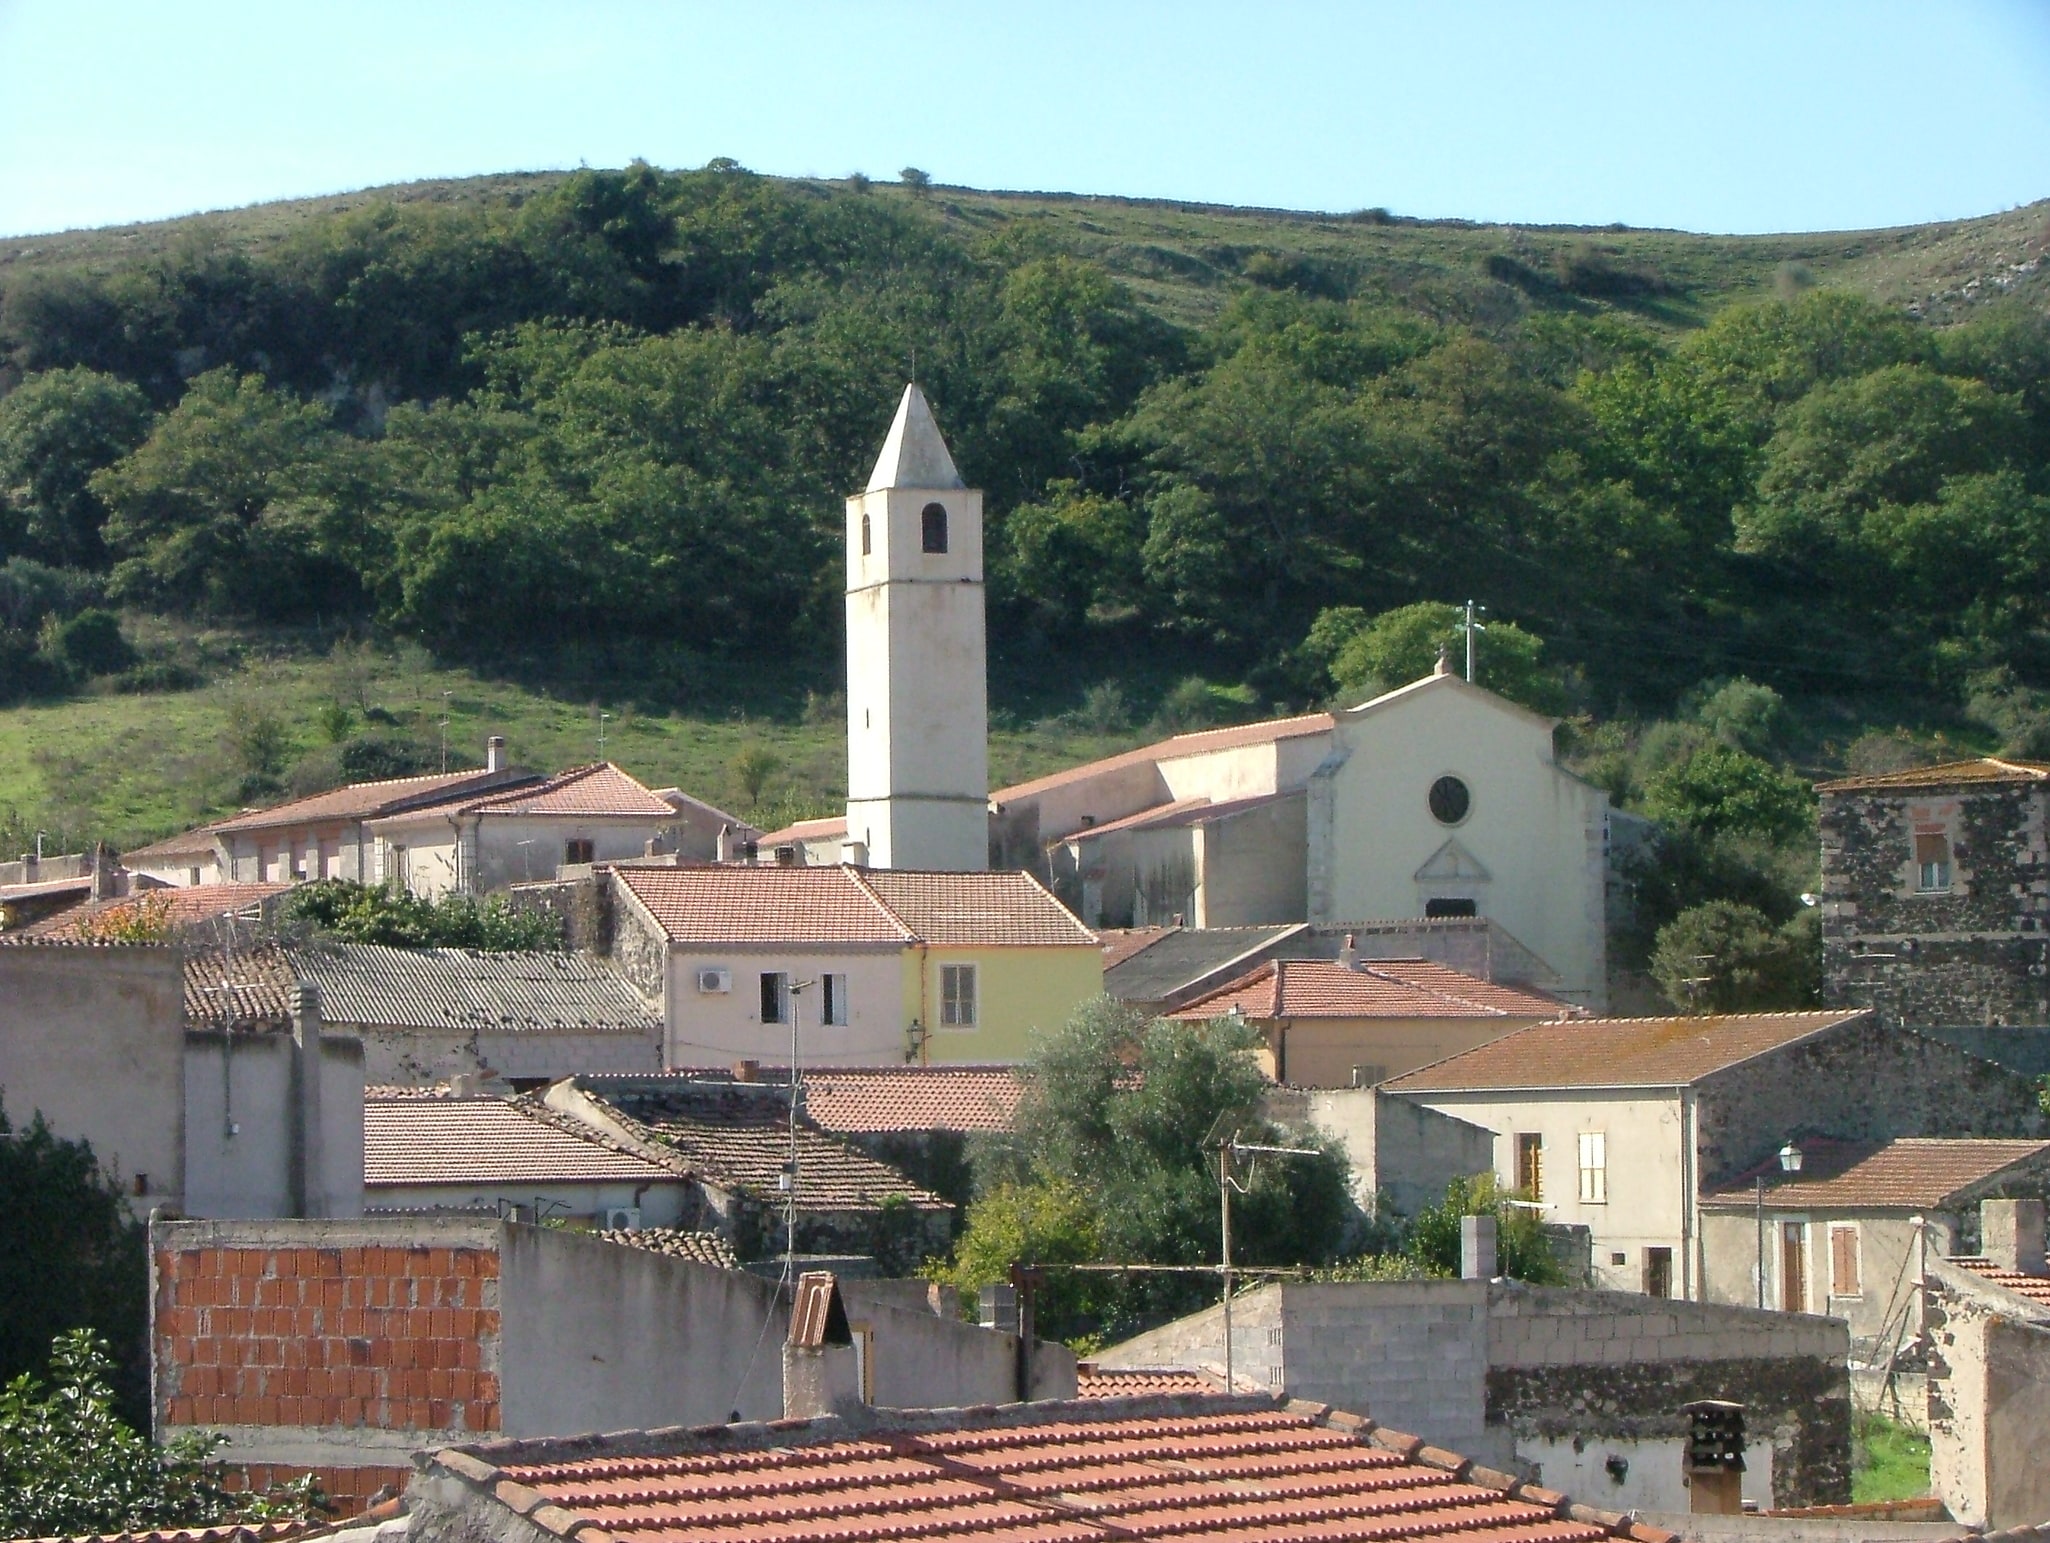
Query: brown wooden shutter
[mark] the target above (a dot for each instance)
(1843, 1262)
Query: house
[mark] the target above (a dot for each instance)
(1436, 800)
(1850, 1233)
(863, 966)
(1988, 1322)
(190, 857)
(1352, 1023)
(343, 1348)
(436, 1150)
(1936, 894)
(200, 913)
(756, 1174)
(1161, 969)
(1078, 1470)
(327, 835)
(202, 1079)
(1621, 1125)
(481, 843)
(1579, 1390)
(427, 1014)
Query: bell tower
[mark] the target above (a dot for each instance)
(917, 705)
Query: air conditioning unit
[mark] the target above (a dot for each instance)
(715, 982)
(623, 1218)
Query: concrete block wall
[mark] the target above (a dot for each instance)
(1414, 1354)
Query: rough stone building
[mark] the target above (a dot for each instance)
(1936, 894)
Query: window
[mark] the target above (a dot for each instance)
(1450, 801)
(1932, 860)
(1658, 1272)
(775, 997)
(1843, 1261)
(1793, 1267)
(932, 528)
(1594, 1168)
(833, 999)
(576, 850)
(867, 543)
(1530, 1165)
(957, 996)
(1436, 909)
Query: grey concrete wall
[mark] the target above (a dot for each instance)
(422, 1057)
(1399, 1152)
(94, 1039)
(600, 1337)
(1862, 1082)
(925, 1362)
(239, 1129)
(2017, 1423)
(1983, 1415)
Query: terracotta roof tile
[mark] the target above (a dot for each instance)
(976, 909)
(413, 1142)
(1084, 1471)
(193, 843)
(678, 1243)
(1182, 812)
(597, 790)
(870, 1100)
(1133, 1382)
(1379, 988)
(367, 800)
(1949, 774)
(2036, 1288)
(1913, 1173)
(250, 988)
(718, 905)
(182, 906)
(227, 1532)
(805, 830)
(1618, 1052)
(738, 1137)
(1203, 742)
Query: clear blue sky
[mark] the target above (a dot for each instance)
(1721, 115)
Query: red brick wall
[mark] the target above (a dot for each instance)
(387, 1338)
(349, 1491)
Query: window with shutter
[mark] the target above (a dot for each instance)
(1932, 860)
(1530, 1165)
(1843, 1262)
(957, 996)
(1594, 1168)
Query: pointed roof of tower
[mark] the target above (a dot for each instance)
(914, 455)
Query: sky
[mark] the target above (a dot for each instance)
(1715, 115)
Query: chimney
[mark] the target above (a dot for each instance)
(821, 1366)
(1444, 664)
(305, 1161)
(1349, 955)
(103, 871)
(2011, 1235)
(854, 853)
(1477, 1248)
(494, 753)
(747, 1071)
(786, 856)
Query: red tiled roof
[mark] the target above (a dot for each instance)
(410, 1142)
(189, 843)
(1084, 1471)
(678, 1243)
(842, 905)
(976, 909)
(1122, 943)
(1618, 1052)
(1118, 1382)
(2036, 1288)
(250, 988)
(597, 790)
(366, 800)
(869, 1100)
(762, 905)
(1202, 742)
(227, 1532)
(182, 906)
(805, 830)
(1379, 988)
(1912, 1173)
(1949, 774)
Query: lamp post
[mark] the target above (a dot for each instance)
(1790, 1162)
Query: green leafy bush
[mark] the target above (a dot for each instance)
(368, 913)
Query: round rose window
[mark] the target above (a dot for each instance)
(1450, 801)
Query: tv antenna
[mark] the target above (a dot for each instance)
(1233, 1157)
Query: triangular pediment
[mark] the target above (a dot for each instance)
(1452, 864)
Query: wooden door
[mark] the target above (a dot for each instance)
(1794, 1267)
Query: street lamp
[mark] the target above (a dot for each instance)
(1790, 1162)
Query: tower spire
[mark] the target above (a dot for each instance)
(914, 455)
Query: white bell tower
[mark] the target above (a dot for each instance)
(917, 705)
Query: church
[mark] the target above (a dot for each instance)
(1438, 799)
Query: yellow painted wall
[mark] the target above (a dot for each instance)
(1019, 991)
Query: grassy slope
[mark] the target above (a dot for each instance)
(133, 767)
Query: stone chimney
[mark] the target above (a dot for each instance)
(1349, 953)
(494, 753)
(747, 1071)
(104, 885)
(821, 1367)
(2011, 1235)
(1477, 1248)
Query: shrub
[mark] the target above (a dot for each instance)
(91, 643)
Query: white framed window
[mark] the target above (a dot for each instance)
(1932, 861)
(1594, 1167)
(775, 997)
(833, 999)
(957, 996)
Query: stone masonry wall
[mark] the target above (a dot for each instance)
(1866, 1081)
(1977, 953)
(1579, 1364)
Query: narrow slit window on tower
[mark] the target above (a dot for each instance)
(932, 528)
(866, 542)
